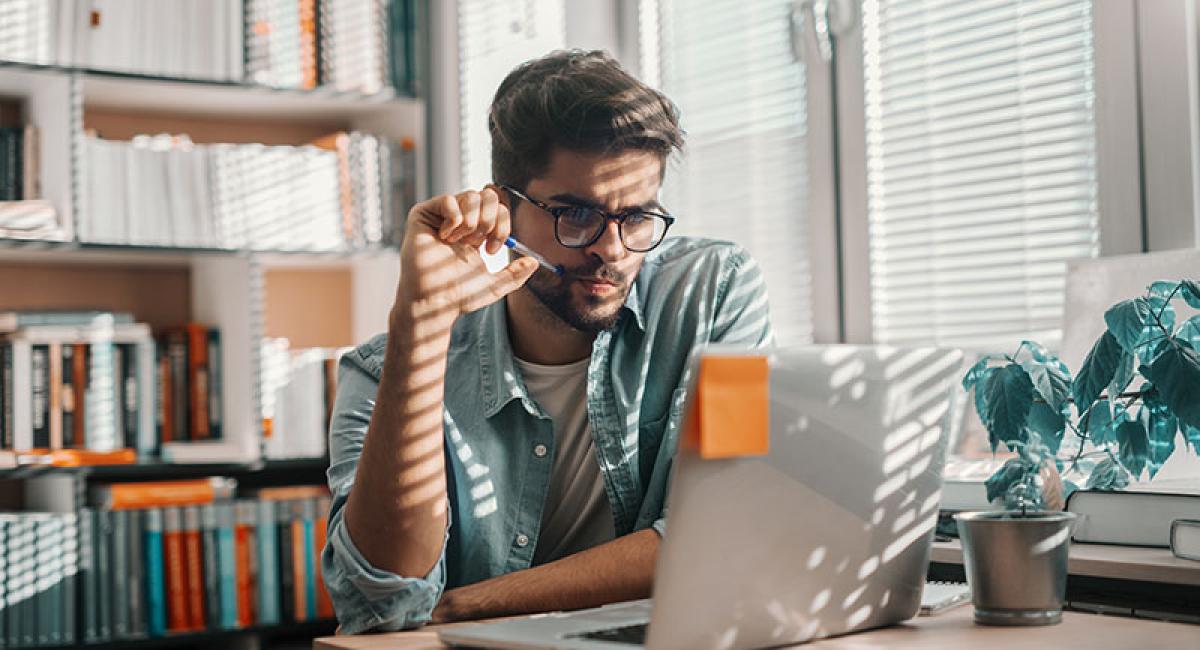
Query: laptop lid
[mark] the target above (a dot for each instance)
(829, 530)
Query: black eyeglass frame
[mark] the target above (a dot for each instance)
(557, 211)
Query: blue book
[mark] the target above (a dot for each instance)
(156, 584)
(308, 513)
(227, 561)
(268, 564)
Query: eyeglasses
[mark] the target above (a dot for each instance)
(579, 226)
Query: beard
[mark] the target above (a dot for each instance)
(596, 313)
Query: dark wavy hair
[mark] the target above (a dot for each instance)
(580, 101)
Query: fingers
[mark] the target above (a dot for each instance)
(474, 218)
(513, 276)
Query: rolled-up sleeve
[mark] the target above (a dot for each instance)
(364, 596)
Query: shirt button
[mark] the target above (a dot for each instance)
(522, 541)
(540, 451)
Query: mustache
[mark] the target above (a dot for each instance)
(601, 272)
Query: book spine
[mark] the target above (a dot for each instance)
(88, 569)
(22, 403)
(244, 562)
(72, 569)
(12, 581)
(49, 586)
(177, 352)
(147, 435)
(268, 564)
(227, 560)
(120, 430)
(176, 571)
(56, 391)
(130, 396)
(103, 555)
(304, 564)
(40, 382)
(324, 603)
(212, 575)
(198, 381)
(68, 395)
(216, 418)
(4, 555)
(79, 372)
(136, 563)
(287, 572)
(119, 560)
(156, 584)
(100, 404)
(194, 565)
(27, 607)
(163, 407)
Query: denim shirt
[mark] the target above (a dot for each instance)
(689, 292)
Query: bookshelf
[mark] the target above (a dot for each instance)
(312, 295)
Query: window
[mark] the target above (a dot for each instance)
(730, 66)
(981, 166)
(495, 36)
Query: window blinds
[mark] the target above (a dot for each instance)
(729, 66)
(981, 166)
(494, 37)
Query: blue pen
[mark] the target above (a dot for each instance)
(529, 252)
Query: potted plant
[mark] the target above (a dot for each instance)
(1137, 389)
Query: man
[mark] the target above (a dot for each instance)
(505, 447)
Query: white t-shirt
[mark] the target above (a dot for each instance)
(577, 514)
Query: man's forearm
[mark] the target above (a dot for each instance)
(396, 511)
(622, 569)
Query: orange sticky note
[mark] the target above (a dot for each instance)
(729, 413)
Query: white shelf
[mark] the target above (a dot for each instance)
(196, 98)
(12, 250)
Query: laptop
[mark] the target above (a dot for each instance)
(826, 533)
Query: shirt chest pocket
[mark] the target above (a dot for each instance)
(651, 434)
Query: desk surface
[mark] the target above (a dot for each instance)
(953, 629)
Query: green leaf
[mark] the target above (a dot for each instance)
(1192, 435)
(1134, 446)
(1100, 425)
(1009, 474)
(1176, 375)
(1164, 288)
(1190, 332)
(1107, 475)
(1122, 376)
(1009, 398)
(1127, 320)
(1161, 428)
(1049, 424)
(977, 373)
(1097, 371)
(1161, 313)
(1191, 293)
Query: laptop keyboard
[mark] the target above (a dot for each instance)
(631, 634)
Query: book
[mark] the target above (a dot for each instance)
(227, 563)
(119, 561)
(71, 576)
(193, 553)
(1185, 538)
(102, 553)
(156, 584)
(268, 564)
(324, 603)
(245, 549)
(212, 574)
(941, 596)
(175, 570)
(288, 597)
(89, 572)
(156, 494)
(136, 566)
(1104, 516)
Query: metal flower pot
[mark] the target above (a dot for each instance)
(1016, 565)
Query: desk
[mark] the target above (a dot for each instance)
(953, 629)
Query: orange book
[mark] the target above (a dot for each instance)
(159, 494)
(308, 43)
(197, 342)
(176, 575)
(244, 550)
(324, 604)
(79, 385)
(166, 422)
(291, 492)
(193, 554)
